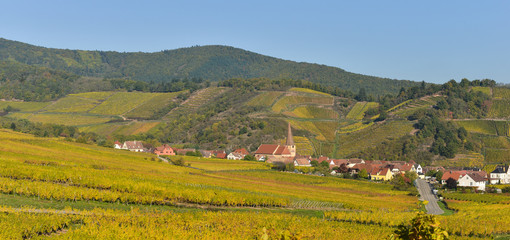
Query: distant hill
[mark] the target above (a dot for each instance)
(212, 63)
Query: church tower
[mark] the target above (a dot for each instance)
(290, 143)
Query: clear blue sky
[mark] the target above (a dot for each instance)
(433, 41)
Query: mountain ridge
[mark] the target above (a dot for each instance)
(210, 62)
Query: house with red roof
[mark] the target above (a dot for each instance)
(117, 145)
(302, 161)
(164, 150)
(235, 156)
(381, 174)
(133, 146)
(242, 151)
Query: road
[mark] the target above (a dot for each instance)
(427, 195)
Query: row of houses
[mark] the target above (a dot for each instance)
(167, 150)
(476, 178)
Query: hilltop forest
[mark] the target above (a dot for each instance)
(210, 63)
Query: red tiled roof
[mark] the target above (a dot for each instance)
(302, 161)
(242, 151)
(453, 174)
(282, 150)
(162, 147)
(267, 149)
(221, 155)
(476, 177)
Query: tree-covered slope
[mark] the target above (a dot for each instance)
(212, 63)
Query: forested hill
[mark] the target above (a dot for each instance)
(212, 63)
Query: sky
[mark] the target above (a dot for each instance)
(432, 41)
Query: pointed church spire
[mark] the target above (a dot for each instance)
(290, 139)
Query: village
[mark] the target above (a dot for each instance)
(375, 170)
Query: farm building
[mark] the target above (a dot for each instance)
(164, 150)
(278, 153)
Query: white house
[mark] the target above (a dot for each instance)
(501, 175)
(235, 156)
(117, 145)
(472, 180)
(133, 146)
(418, 169)
(302, 162)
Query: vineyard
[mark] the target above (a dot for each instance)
(160, 104)
(286, 102)
(122, 102)
(307, 90)
(499, 108)
(485, 90)
(501, 93)
(140, 196)
(350, 143)
(358, 111)
(265, 99)
(488, 127)
(323, 130)
(313, 112)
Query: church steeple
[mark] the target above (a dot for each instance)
(290, 142)
(290, 139)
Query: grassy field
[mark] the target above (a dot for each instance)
(63, 118)
(488, 127)
(72, 104)
(66, 190)
(160, 102)
(358, 110)
(307, 90)
(324, 130)
(313, 112)
(499, 108)
(357, 141)
(486, 90)
(286, 102)
(122, 102)
(265, 99)
(501, 93)
(99, 96)
(24, 106)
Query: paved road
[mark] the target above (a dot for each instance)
(426, 194)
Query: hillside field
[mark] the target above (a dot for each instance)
(77, 191)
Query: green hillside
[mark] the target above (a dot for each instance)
(212, 63)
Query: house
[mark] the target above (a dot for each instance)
(418, 169)
(117, 145)
(235, 156)
(164, 150)
(242, 151)
(381, 174)
(472, 180)
(220, 154)
(278, 152)
(302, 162)
(455, 175)
(206, 153)
(500, 175)
(133, 146)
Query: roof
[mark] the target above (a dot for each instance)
(237, 155)
(453, 174)
(282, 150)
(338, 162)
(117, 143)
(134, 145)
(499, 170)
(302, 161)
(221, 155)
(267, 149)
(242, 151)
(322, 158)
(356, 160)
(163, 147)
(476, 177)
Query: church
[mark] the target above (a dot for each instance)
(278, 153)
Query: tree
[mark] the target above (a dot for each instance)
(314, 163)
(423, 226)
(411, 175)
(363, 173)
(451, 183)
(362, 95)
(324, 164)
(249, 158)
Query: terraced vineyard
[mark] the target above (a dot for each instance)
(489, 127)
(358, 111)
(313, 112)
(160, 104)
(287, 102)
(265, 99)
(357, 141)
(122, 102)
(24, 106)
(303, 145)
(196, 100)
